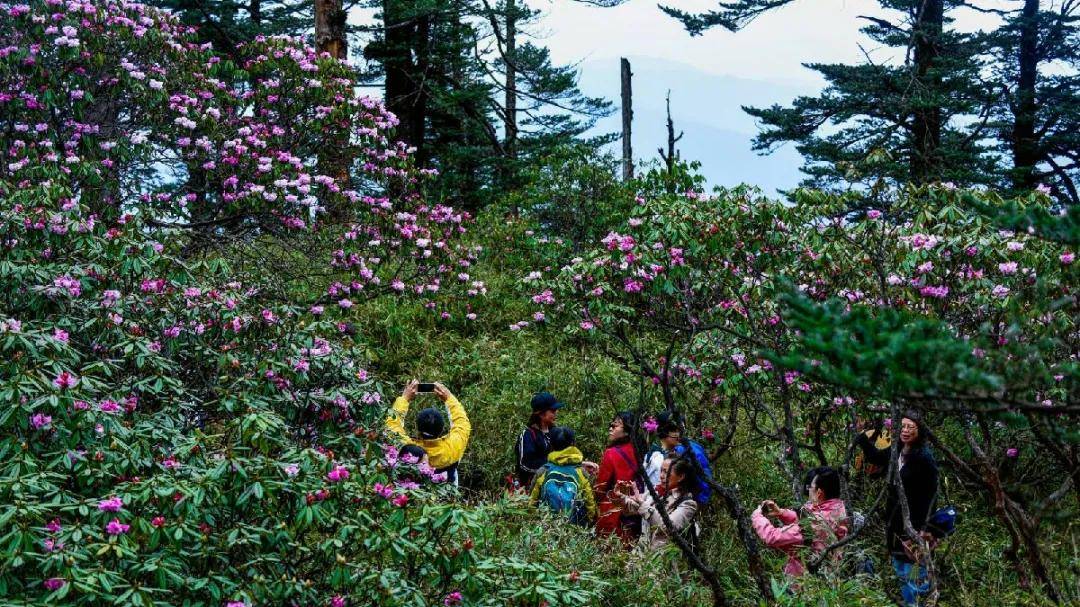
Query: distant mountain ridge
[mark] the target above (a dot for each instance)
(708, 108)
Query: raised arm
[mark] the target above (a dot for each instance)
(878, 457)
(460, 428)
(395, 421)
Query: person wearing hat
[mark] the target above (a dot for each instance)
(533, 446)
(444, 449)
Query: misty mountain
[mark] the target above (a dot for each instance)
(719, 135)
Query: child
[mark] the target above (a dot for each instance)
(561, 483)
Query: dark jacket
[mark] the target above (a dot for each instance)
(919, 475)
(532, 451)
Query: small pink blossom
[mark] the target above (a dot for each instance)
(41, 421)
(113, 504)
(1000, 291)
(452, 599)
(650, 424)
(1007, 267)
(60, 335)
(65, 380)
(1012, 452)
(1067, 258)
(54, 583)
(339, 473)
(115, 527)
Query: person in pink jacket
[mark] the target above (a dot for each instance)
(824, 521)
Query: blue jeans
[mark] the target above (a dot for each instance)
(910, 588)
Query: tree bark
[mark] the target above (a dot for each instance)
(405, 35)
(1025, 143)
(627, 119)
(510, 126)
(330, 20)
(926, 114)
(672, 155)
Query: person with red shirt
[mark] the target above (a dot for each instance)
(618, 468)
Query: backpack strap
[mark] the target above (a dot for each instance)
(628, 460)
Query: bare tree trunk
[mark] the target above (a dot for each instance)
(1025, 143)
(672, 155)
(330, 20)
(627, 119)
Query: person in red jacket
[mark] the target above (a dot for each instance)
(619, 466)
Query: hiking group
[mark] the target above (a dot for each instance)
(645, 495)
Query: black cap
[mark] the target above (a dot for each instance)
(544, 401)
(430, 423)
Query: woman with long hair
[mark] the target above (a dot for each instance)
(676, 493)
(919, 478)
(620, 465)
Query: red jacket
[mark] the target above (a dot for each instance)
(620, 463)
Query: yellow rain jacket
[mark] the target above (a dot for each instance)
(569, 456)
(443, 451)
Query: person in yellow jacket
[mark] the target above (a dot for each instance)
(444, 449)
(561, 483)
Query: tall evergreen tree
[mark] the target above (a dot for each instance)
(1036, 57)
(912, 118)
(473, 96)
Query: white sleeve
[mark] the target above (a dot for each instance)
(653, 463)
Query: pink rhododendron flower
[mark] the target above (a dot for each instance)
(939, 292)
(1012, 452)
(873, 213)
(157, 521)
(115, 527)
(401, 500)
(1000, 291)
(60, 335)
(1008, 267)
(1067, 257)
(454, 598)
(41, 421)
(65, 380)
(339, 473)
(1043, 189)
(113, 504)
(337, 601)
(650, 424)
(53, 526)
(54, 583)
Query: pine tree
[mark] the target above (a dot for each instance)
(910, 120)
(1036, 53)
(472, 96)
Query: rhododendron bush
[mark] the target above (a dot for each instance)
(796, 323)
(180, 425)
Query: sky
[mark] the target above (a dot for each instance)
(711, 76)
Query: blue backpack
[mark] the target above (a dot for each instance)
(560, 492)
(942, 523)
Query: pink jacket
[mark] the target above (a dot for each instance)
(828, 520)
